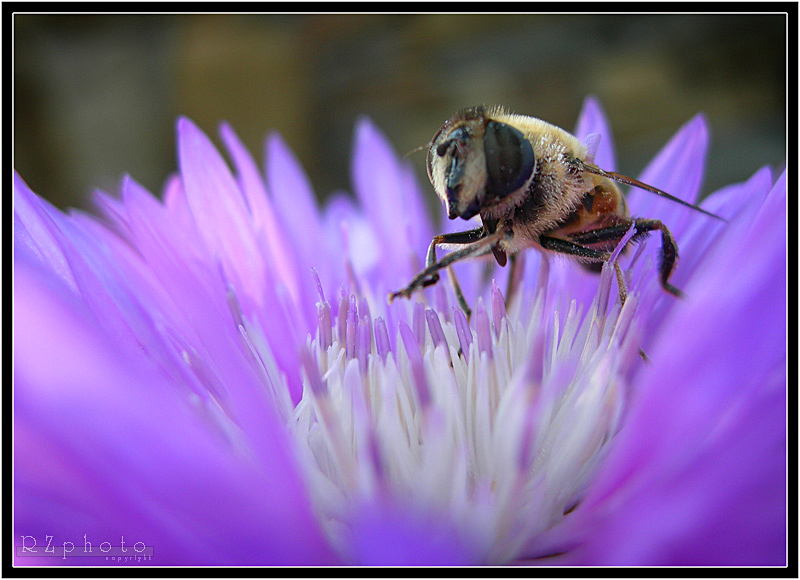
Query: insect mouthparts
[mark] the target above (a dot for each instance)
(452, 210)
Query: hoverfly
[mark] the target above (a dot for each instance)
(534, 186)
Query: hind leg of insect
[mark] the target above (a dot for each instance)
(613, 234)
(476, 242)
(579, 251)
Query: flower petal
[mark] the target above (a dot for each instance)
(739, 203)
(389, 536)
(698, 475)
(219, 210)
(108, 451)
(593, 121)
(294, 203)
(391, 205)
(35, 226)
(268, 229)
(678, 170)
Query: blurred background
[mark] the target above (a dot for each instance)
(96, 97)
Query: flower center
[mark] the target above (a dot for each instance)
(499, 425)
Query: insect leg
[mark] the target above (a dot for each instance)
(669, 249)
(669, 252)
(573, 249)
(579, 251)
(462, 301)
(466, 237)
(430, 274)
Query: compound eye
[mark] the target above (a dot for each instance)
(509, 158)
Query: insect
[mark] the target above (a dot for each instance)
(534, 186)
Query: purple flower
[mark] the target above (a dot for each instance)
(219, 377)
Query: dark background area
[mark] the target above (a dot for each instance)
(97, 96)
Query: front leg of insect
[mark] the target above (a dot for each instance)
(476, 243)
(455, 238)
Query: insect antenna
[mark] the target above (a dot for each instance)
(415, 149)
(636, 183)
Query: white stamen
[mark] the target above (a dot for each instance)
(503, 438)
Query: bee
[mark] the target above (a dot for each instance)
(534, 186)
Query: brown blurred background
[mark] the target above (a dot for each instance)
(96, 97)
